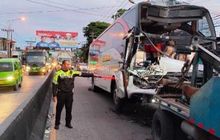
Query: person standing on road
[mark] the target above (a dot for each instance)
(63, 90)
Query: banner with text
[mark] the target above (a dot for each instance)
(56, 39)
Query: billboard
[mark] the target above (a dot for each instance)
(56, 39)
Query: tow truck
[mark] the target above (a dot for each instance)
(189, 103)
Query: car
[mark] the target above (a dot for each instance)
(10, 73)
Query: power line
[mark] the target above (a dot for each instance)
(59, 7)
(112, 11)
(50, 11)
(120, 6)
(78, 8)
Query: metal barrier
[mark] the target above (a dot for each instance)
(29, 120)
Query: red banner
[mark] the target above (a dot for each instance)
(56, 33)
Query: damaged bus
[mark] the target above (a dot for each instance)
(148, 42)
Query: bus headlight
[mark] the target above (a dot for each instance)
(10, 78)
(154, 100)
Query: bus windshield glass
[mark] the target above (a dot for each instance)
(36, 59)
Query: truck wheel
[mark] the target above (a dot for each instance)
(94, 87)
(162, 126)
(118, 102)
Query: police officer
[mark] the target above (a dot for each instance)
(63, 89)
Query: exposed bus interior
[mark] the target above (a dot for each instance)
(166, 46)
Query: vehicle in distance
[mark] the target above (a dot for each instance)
(10, 73)
(37, 62)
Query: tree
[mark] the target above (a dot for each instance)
(92, 31)
(119, 13)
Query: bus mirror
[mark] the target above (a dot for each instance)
(121, 63)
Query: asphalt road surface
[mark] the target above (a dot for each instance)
(94, 118)
(10, 100)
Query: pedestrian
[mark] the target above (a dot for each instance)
(63, 90)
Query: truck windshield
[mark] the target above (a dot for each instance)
(36, 59)
(6, 66)
(204, 27)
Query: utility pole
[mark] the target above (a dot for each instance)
(9, 34)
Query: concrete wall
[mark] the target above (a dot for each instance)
(30, 122)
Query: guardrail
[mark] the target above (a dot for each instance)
(29, 120)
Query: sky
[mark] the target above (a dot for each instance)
(65, 15)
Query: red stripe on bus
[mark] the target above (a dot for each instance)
(212, 131)
(200, 125)
(191, 121)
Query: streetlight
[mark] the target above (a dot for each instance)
(9, 33)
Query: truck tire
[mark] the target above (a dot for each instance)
(94, 87)
(162, 126)
(118, 102)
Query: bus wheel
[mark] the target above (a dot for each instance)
(118, 102)
(162, 126)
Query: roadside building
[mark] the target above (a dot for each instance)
(3, 43)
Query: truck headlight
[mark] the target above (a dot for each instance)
(28, 68)
(43, 70)
(10, 78)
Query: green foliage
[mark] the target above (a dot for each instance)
(119, 13)
(92, 31)
(85, 51)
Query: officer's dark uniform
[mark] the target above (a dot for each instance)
(63, 88)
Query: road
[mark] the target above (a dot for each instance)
(94, 118)
(10, 100)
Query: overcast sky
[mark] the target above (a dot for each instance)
(64, 15)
